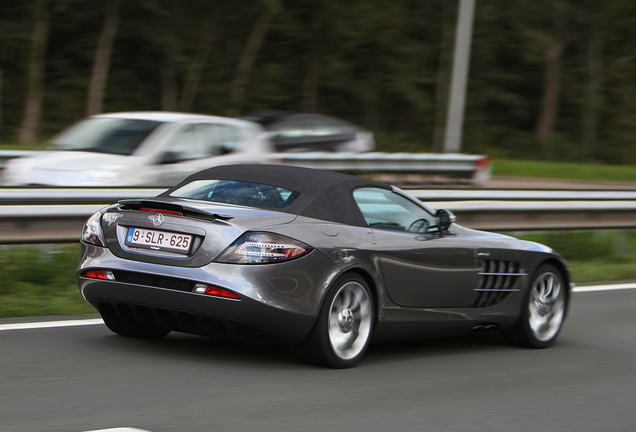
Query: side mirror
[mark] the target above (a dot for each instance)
(169, 157)
(444, 218)
(226, 149)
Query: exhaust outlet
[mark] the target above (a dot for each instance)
(485, 328)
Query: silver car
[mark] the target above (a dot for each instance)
(323, 261)
(312, 132)
(139, 148)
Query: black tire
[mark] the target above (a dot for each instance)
(124, 328)
(343, 329)
(543, 311)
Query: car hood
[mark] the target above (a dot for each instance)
(64, 168)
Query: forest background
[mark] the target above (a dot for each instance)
(549, 79)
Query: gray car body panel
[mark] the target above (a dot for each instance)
(443, 281)
(423, 284)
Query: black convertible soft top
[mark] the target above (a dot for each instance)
(324, 195)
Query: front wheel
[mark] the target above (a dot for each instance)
(543, 310)
(343, 329)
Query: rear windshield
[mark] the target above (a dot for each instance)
(104, 135)
(238, 192)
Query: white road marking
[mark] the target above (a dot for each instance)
(84, 322)
(48, 324)
(121, 429)
(608, 287)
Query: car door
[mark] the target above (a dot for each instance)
(187, 152)
(421, 266)
(198, 146)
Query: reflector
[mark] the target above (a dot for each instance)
(99, 274)
(220, 292)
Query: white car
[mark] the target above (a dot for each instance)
(139, 148)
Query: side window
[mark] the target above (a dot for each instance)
(185, 145)
(209, 137)
(230, 139)
(385, 209)
(193, 141)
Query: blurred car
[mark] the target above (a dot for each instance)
(312, 132)
(139, 148)
(323, 261)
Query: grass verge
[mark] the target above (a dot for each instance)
(564, 170)
(40, 281)
(20, 147)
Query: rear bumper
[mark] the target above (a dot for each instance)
(189, 312)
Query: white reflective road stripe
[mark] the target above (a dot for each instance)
(608, 287)
(123, 429)
(47, 324)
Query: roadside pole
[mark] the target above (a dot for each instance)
(1, 78)
(459, 80)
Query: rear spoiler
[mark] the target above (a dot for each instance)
(170, 208)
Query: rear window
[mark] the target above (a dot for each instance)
(238, 192)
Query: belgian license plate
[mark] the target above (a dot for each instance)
(158, 240)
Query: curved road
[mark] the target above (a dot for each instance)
(73, 379)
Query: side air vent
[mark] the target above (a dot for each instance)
(497, 278)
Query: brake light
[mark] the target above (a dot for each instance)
(168, 212)
(92, 232)
(263, 248)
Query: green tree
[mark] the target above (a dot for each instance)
(95, 99)
(27, 133)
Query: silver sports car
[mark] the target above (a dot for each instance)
(322, 261)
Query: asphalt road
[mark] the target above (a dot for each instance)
(74, 379)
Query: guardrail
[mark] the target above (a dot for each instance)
(52, 215)
(514, 210)
(430, 195)
(107, 195)
(453, 166)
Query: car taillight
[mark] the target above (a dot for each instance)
(99, 274)
(215, 291)
(92, 232)
(263, 248)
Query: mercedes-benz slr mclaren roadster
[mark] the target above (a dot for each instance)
(324, 262)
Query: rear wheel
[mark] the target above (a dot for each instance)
(343, 329)
(136, 330)
(543, 310)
